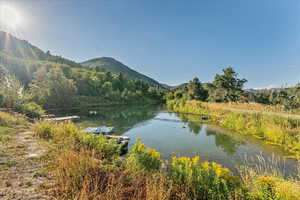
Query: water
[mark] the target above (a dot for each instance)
(184, 135)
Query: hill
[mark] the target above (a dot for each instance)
(22, 49)
(114, 66)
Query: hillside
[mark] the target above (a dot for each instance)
(114, 66)
(14, 50)
(15, 47)
(20, 49)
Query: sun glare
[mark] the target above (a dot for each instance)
(10, 17)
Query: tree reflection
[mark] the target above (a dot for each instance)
(122, 118)
(227, 143)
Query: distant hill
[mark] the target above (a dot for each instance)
(21, 49)
(114, 66)
(16, 52)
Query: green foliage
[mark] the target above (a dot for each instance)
(9, 120)
(1, 100)
(195, 90)
(106, 64)
(32, 110)
(143, 159)
(108, 148)
(208, 181)
(44, 130)
(11, 92)
(68, 136)
(52, 89)
(225, 88)
(274, 129)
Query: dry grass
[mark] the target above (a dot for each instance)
(247, 106)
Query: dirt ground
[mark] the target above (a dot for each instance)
(22, 169)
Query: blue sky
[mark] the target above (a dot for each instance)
(173, 40)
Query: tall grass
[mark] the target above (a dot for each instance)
(281, 131)
(10, 123)
(66, 136)
(10, 120)
(88, 167)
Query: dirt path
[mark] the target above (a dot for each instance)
(21, 169)
(292, 116)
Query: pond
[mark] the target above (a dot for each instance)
(175, 134)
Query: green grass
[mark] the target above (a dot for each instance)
(9, 124)
(273, 129)
(4, 133)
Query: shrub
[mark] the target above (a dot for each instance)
(106, 148)
(143, 159)
(68, 136)
(206, 181)
(44, 130)
(7, 119)
(32, 110)
(1, 100)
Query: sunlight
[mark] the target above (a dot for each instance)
(10, 17)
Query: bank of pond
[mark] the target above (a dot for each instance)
(175, 134)
(178, 156)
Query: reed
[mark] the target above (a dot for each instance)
(274, 129)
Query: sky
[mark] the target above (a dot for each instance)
(172, 41)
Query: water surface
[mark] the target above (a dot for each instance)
(184, 135)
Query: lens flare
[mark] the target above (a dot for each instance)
(10, 17)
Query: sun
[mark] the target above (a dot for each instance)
(10, 17)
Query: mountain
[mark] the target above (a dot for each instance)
(114, 66)
(15, 50)
(21, 49)
(15, 47)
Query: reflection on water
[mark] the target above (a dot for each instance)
(183, 135)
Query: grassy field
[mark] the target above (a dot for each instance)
(274, 129)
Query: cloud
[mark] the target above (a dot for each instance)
(271, 86)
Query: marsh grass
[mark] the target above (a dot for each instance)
(265, 182)
(275, 130)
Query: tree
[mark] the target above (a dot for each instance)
(54, 89)
(196, 91)
(11, 91)
(230, 88)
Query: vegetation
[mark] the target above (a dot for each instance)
(274, 129)
(228, 88)
(81, 170)
(10, 123)
(30, 75)
(106, 64)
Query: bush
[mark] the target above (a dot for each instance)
(105, 148)
(9, 120)
(206, 181)
(1, 100)
(32, 110)
(143, 159)
(44, 130)
(68, 136)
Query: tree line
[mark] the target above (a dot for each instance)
(44, 84)
(228, 87)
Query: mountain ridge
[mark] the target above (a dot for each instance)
(112, 65)
(12, 46)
